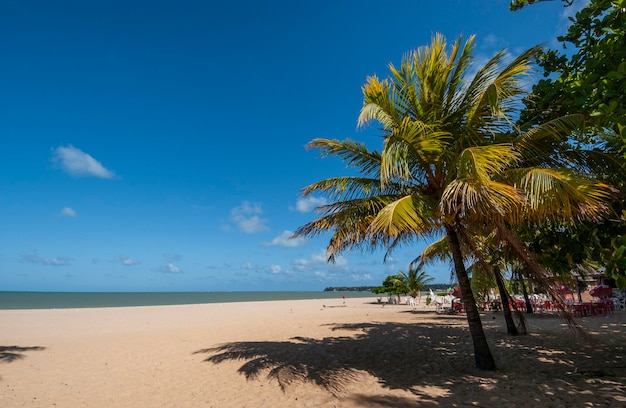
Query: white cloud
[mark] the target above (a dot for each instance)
(68, 212)
(285, 240)
(317, 267)
(321, 258)
(78, 163)
(256, 268)
(55, 261)
(308, 204)
(492, 41)
(318, 261)
(124, 260)
(170, 268)
(246, 216)
(271, 269)
(365, 277)
(275, 269)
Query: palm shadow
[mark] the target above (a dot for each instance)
(417, 357)
(379, 349)
(9, 354)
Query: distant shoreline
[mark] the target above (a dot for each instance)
(10, 300)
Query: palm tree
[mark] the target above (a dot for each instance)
(450, 164)
(414, 281)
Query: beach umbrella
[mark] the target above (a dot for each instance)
(601, 291)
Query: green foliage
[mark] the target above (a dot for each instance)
(392, 285)
(411, 283)
(379, 290)
(615, 261)
(592, 80)
(482, 281)
(414, 281)
(561, 247)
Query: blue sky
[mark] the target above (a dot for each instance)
(160, 145)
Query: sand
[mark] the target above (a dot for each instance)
(309, 353)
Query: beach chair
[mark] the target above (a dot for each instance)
(411, 301)
(458, 306)
(579, 310)
(439, 301)
(608, 306)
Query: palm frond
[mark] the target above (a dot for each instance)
(410, 151)
(345, 188)
(409, 214)
(472, 200)
(436, 251)
(493, 95)
(379, 104)
(456, 79)
(483, 163)
(343, 215)
(563, 194)
(540, 142)
(474, 192)
(354, 154)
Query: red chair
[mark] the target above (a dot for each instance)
(579, 310)
(608, 306)
(548, 305)
(588, 308)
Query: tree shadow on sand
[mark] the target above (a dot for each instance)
(424, 357)
(9, 354)
(384, 350)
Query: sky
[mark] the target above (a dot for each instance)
(160, 145)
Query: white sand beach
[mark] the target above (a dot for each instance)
(305, 353)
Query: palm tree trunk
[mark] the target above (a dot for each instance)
(511, 328)
(529, 307)
(482, 354)
(540, 275)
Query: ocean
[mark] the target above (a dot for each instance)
(70, 300)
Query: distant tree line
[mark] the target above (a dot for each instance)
(433, 286)
(348, 289)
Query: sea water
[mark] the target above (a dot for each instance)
(65, 300)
